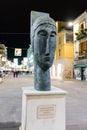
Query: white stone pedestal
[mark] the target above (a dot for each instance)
(43, 110)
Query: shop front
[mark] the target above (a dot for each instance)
(80, 72)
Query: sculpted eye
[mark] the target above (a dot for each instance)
(42, 33)
(53, 34)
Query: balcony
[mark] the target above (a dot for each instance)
(81, 58)
(81, 55)
(81, 34)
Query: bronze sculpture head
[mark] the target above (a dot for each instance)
(43, 46)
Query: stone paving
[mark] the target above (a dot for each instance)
(11, 101)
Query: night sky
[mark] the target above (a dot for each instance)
(15, 17)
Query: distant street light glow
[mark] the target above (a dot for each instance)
(70, 24)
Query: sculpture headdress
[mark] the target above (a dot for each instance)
(40, 21)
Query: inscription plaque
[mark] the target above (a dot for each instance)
(46, 111)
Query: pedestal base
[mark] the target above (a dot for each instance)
(43, 110)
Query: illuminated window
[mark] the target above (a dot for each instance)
(69, 37)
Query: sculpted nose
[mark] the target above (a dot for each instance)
(47, 47)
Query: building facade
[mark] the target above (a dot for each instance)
(80, 46)
(62, 68)
(3, 55)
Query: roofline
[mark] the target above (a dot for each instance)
(81, 16)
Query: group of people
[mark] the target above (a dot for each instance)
(15, 73)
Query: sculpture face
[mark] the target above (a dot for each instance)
(44, 45)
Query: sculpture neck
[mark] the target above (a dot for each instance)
(41, 79)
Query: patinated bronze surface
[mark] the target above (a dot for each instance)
(43, 45)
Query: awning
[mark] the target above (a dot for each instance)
(80, 66)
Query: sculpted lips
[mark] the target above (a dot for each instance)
(47, 58)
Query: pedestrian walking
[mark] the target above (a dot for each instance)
(14, 73)
(17, 73)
